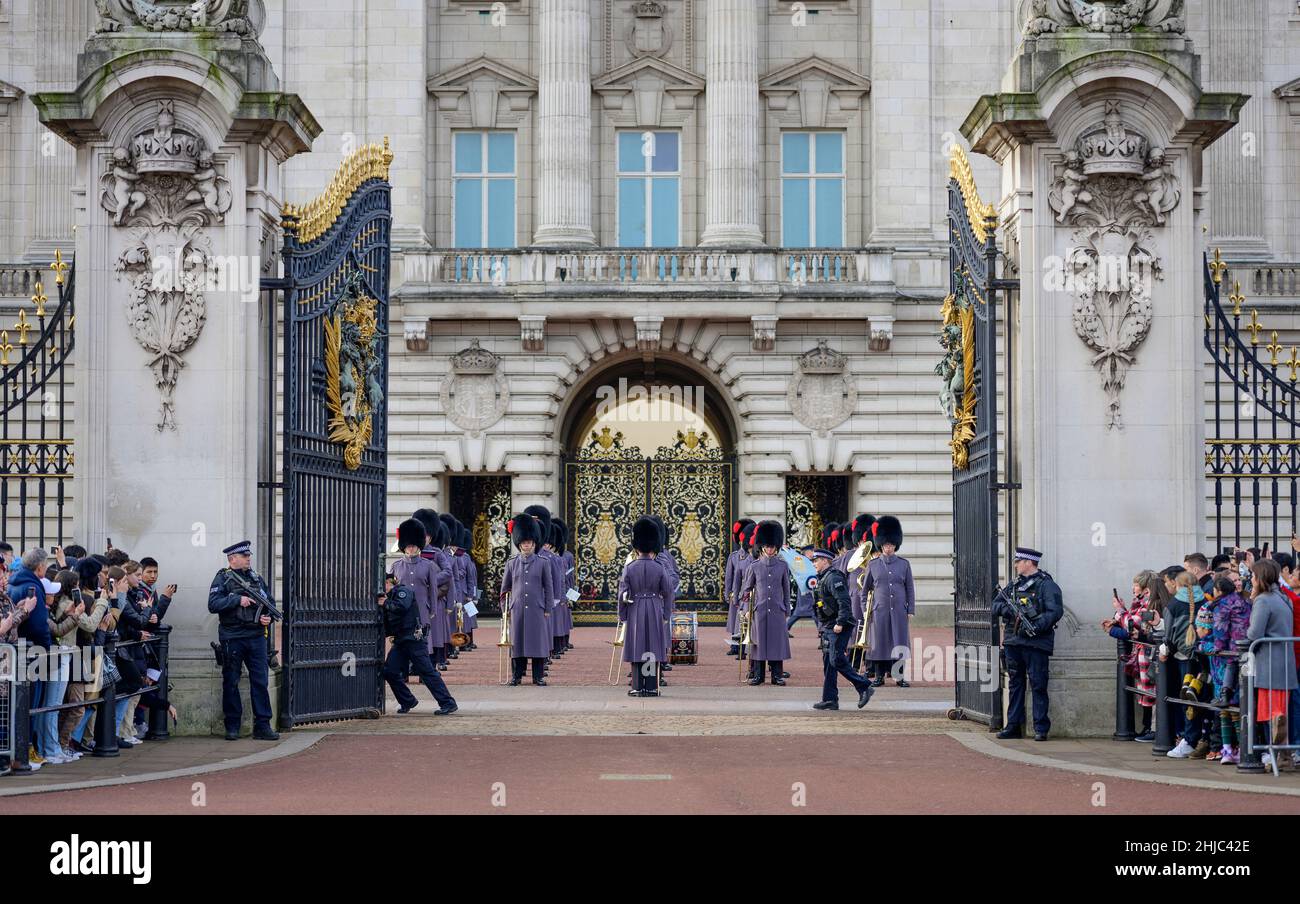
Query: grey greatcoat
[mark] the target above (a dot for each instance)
(894, 599)
(1270, 616)
(731, 587)
(555, 567)
(468, 583)
(645, 591)
(666, 559)
(422, 576)
(769, 580)
(570, 567)
(445, 589)
(529, 581)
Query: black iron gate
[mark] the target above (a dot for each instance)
(969, 371)
(1252, 455)
(36, 454)
(335, 437)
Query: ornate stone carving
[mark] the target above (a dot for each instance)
(532, 332)
(1105, 16)
(165, 185)
(244, 17)
(649, 33)
(821, 395)
(416, 334)
(1114, 188)
(882, 332)
(764, 327)
(475, 396)
(649, 328)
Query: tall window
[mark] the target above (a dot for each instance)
(812, 189)
(484, 207)
(649, 189)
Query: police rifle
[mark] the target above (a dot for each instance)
(255, 592)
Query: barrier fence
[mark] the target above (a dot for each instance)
(1167, 697)
(22, 667)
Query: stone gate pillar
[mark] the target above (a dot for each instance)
(180, 129)
(1100, 128)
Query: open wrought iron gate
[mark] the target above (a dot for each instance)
(970, 318)
(335, 326)
(690, 484)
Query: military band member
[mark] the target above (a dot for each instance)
(421, 575)
(238, 596)
(889, 580)
(555, 577)
(556, 546)
(666, 559)
(860, 534)
(768, 580)
(438, 638)
(744, 605)
(528, 580)
(570, 566)
(644, 593)
(455, 589)
(471, 582)
(731, 583)
(403, 622)
(835, 619)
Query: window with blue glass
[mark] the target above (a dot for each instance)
(483, 208)
(649, 189)
(812, 189)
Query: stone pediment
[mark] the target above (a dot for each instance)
(647, 81)
(9, 92)
(483, 81)
(1290, 94)
(815, 81)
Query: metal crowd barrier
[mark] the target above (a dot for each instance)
(1165, 674)
(20, 709)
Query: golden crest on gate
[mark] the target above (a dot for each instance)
(605, 541)
(353, 370)
(691, 539)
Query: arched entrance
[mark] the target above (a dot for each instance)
(648, 436)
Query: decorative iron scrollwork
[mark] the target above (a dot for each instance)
(352, 367)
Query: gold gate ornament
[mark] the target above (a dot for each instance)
(352, 394)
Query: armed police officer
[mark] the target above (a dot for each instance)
(1030, 607)
(834, 611)
(244, 607)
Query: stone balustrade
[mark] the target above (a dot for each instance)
(1269, 280)
(19, 280)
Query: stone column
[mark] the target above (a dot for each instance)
(564, 124)
(733, 126)
(179, 137)
(1101, 148)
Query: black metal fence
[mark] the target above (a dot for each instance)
(36, 454)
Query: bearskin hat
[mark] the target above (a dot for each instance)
(429, 518)
(889, 530)
(647, 535)
(738, 526)
(561, 535)
(410, 533)
(861, 528)
(747, 534)
(524, 527)
(663, 529)
(543, 516)
(829, 534)
(466, 538)
(769, 533)
(450, 522)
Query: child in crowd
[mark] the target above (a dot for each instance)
(1230, 619)
(1136, 622)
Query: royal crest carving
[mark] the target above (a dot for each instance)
(353, 370)
(1114, 188)
(649, 33)
(959, 392)
(1104, 16)
(475, 396)
(243, 17)
(821, 395)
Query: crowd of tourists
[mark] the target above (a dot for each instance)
(58, 608)
(1195, 615)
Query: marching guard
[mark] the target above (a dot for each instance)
(768, 583)
(439, 637)
(555, 576)
(469, 583)
(666, 559)
(889, 580)
(860, 534)
(569, 565)
(644, 594)
(731, 583)
(529, 583)
(456, 588)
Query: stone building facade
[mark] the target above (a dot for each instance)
(743, 195)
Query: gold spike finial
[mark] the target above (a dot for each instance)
(1254, 327)
(39, 299)
(59, 266)
(1274, 349)
(5, 348)
(1236, 298)
(1294, 364)
(1217, 267)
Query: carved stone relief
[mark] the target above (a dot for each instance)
(244, 17)
(1105, 16)
(475, 395)
(821, 395)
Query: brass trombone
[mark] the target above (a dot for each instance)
(504, 642)
(746, 633)
(620, 636)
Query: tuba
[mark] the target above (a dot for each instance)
(859, 556)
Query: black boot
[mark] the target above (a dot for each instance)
(1011, 732)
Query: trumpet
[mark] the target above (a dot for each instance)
(504, 642)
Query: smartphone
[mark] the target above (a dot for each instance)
(54, 550)
(1228, 551)
(1240, 555)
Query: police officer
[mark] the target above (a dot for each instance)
(1031, 607)
(402, 622)
(834, 612)
(240, 599)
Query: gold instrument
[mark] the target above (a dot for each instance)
(860, 641)
(746, 634)
(620, 636)
(504, 645)
(458, 637)
(860, 555)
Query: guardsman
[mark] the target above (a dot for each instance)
(403, 621)
(889, 581)
(1031, 608)
(669, 562)
(528, 581)
(569, 565)
(834, 613)
(437, 639)
(556, 546)
(744, 605)
(731, 583)
(244, 607)
(859, 539)
(768, 581)
(469, 581)
(644, 593)
(554, 568)
(419, 574)
(455, 589)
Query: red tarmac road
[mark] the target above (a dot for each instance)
(374, 774)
